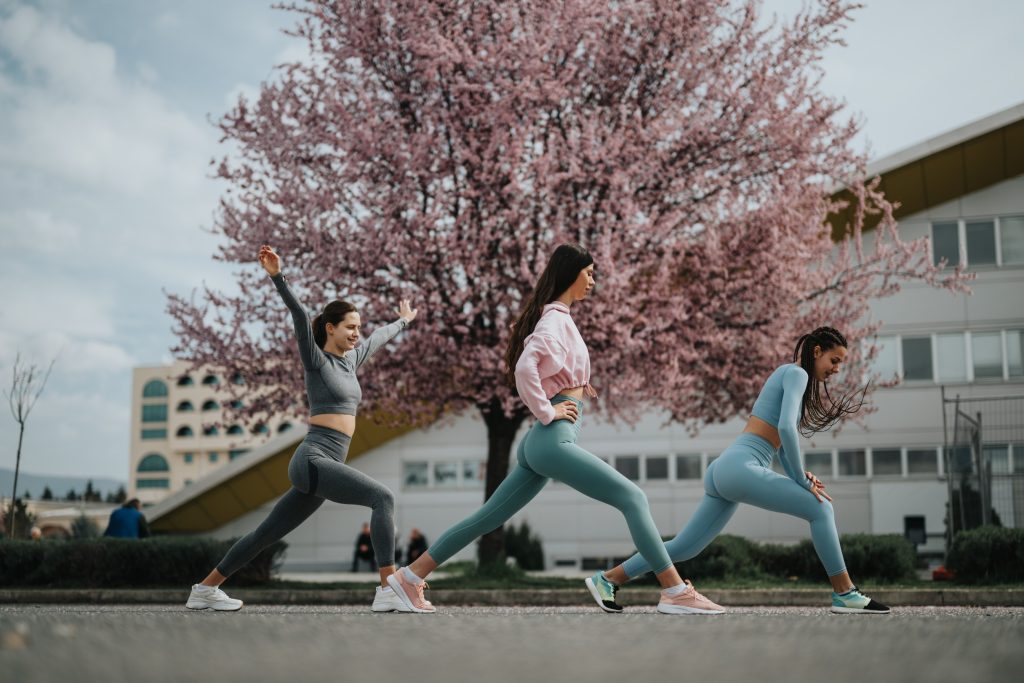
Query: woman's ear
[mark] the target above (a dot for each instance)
(817, 350)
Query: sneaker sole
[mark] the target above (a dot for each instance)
(853, 610)
(597, 597)
(679, 609)
(202, 606)
(399, 607)
(400, 592)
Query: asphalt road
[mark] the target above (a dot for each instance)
(296, 644)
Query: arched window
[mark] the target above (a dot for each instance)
(211, 431)
(210, 405)
(153, 462)
(261, 429)
(237, 405)
(185, 381)
(237, 378)
(284, 427)
(154, 388)
(211, 380)
(184, 430)
(235, 429)
(185, 407)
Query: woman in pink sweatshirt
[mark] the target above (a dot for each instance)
(552, 374)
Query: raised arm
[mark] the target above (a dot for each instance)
(312, 356)
(794, 382)
(382, 335)
(542, 356)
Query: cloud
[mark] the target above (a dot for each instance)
(36, 230)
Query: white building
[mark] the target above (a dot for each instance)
(964, 189)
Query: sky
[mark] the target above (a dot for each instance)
(106, 197)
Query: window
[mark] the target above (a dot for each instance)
(189, 457)
(261, 428)
(886, 462)
(852, 463)
(952, 352)
(214, 456)
(154, 433)
(657, 468)
(1011, 239)
(154, 462)
(998, 458)
(414, 474)
(155, 413)
(237, 405)
(981, 243)
(987, 352)
(184, 431)
(235, 430)
(917, 358)
(629, 466)
(185, 381)
(819, 462)
(154, 388)
(922, 461)
(188, 482)
(474, 473)
(237, 453)
(946, 243)
(688, 466)
(887, 362)
(959, 460)
(284, 427)
(446, 475)
(211, 430)
(153, 483)
(185, 407)
(210, 405)
(237, 378)
(1015, 353)
(211, 381)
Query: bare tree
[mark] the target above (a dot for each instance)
(27, 384)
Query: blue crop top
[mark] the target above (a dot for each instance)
(778, 404)
(331, 383)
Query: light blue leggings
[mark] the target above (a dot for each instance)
(550, 452)
(742, 474)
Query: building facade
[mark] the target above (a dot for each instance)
(887, 475)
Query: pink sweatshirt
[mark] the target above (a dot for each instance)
(554, 358)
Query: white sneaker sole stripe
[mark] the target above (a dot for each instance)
(679, 609)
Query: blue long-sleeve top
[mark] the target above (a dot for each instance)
(331, 383)
(779, 404)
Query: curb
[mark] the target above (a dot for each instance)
(516, 597)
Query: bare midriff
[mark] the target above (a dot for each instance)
(346, 424)
(572, 392)
(756, 425)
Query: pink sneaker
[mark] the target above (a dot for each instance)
(689, 602)
(410, 593)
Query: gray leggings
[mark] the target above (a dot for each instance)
(318, 471)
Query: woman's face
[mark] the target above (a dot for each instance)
(826, 363)
(344, 335)
(584, 283)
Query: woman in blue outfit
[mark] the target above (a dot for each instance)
(793, 401)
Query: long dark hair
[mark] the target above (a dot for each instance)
(334, 313)
(816, 414)
(563, 268)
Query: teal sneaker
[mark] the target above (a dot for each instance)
(604, 592)
(855, 602)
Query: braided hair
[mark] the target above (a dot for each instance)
(816, 413)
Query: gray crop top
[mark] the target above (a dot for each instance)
(331, 383)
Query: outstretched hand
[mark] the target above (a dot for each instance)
(270, 261)
(406, 311)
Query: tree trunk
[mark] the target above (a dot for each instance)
(501, 432)
(14, 493)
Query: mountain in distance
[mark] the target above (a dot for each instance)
(59, 484)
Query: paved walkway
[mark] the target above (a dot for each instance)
(288, 643)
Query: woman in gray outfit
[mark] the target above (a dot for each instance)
(330, 357)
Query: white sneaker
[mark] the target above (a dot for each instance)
(209, 597)
(386, 600)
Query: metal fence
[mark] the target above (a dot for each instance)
(984, 462)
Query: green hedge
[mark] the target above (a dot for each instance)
(887, 557)
(988, 554)
(118, 563)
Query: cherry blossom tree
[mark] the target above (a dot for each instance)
(440, 150)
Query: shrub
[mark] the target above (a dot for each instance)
(988, 554)
(120, 562)
(526, 547)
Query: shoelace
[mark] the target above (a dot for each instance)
(696, 593)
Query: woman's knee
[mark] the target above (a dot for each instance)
(823, 511)
(633, 499)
